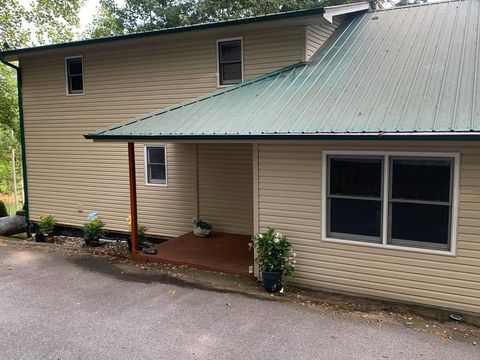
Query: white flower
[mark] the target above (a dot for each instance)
(260, 236)
(294, 261)
(294, 254)
(278, 235)
(276, 240)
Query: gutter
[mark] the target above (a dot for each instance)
(22, 138)
(411, 136)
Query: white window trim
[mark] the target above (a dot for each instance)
(218, 59)
(145, 161)
(387, 155)
(66, 75)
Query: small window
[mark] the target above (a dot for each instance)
(230, 67)
(155, 165)
(74, 75)
(390, 199)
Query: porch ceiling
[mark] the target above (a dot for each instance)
(408, 72)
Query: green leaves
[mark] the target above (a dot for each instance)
(42, 22)
(93, 230)
(47, 224)
(274, 252)
(147, 15)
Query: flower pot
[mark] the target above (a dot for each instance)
(39, 237)
(49, 239)
(198, 231)
(272, 281)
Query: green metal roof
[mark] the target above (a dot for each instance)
(402, 73)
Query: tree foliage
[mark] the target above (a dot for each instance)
(146, 15)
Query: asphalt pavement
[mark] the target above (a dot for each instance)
(58, 306)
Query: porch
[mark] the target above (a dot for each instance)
(219, 251)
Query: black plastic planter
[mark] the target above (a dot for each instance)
(39, 237)
(272, 281)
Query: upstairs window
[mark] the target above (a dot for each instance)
(155, 165)
(391, 199)
(74, 70)
(230, 67)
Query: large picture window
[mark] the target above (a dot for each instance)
(390, 199)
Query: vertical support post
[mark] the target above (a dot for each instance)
(256, 218)
(133, 196)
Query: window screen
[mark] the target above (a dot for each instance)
(420, 201)
(75, 75)
(156, 165)
(355, 198)
(230, 62)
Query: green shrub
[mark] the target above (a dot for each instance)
(142, 230)
(47, 224)
(274, 252)
(94, 230)
(3, 209)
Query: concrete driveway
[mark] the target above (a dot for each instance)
(57, 306)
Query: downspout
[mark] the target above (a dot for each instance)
(22, 139)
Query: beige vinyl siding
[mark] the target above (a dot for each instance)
(316, 35)
(290, 185)
(69, 176)
(225, 186)
(168, 210)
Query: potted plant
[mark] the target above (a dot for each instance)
(275, 258)
(93, 230)
(46, 227)
(201, 228)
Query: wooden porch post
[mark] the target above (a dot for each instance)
(133, 196)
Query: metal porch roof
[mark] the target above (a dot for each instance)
(407, 71)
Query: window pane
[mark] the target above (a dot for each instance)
(356, 176)
(231, 73)
(356, 217)
(420, 222)
(74, 66)
(427, 179)
(75, 84)
(231, 51)
(156, 155)
(157, 173)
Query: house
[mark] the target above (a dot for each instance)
(355, 133)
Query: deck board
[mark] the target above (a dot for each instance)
(218, 252)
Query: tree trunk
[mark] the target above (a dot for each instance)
(11, 225)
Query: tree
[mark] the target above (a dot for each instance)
(146, 15)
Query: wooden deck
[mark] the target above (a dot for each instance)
(223, 252)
